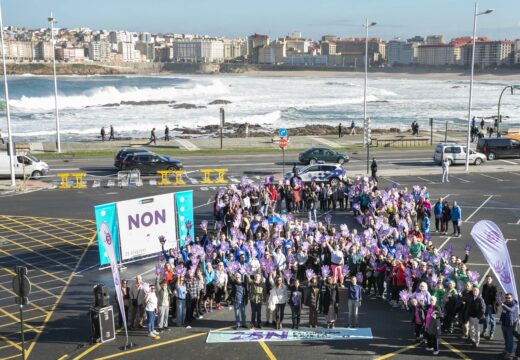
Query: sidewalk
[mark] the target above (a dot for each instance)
(205, 144)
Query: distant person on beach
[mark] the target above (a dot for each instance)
(103, 133)
(352, 128)
(415, 128)
(153, 138)
(340, 131)
(373, 168)
(482, 123)
(112, 137)
(1, 137)
(473, 122)
(166, 133)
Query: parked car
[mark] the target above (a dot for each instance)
(456, 154)
(147, 163)
(123, 152)
(331, 173)
(499, 147)
(313, 155)
(25, 163)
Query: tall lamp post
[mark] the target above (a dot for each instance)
(52, 21)
(10, 146)
(499, 119)
(476, 13)
(365, 119)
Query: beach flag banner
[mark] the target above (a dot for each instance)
(184, 207)
(105, 234)
(493, 246)
(107, 214)
(235, 336)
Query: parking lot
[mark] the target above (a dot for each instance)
(58, 325)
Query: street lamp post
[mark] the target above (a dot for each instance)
(365, 120)
(52, 21)
(8, 113)
(499, 120)
(476, 13)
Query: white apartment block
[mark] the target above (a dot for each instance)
(198, 50)
(438, 55)
(299, 45)
(70, 54)
(19, 50)
(99, 51)
(399, 52)
(128, 52)
(234, 48)
(115, 37)
(490, 53)
(306, 60)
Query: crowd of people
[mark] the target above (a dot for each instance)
(268, 249)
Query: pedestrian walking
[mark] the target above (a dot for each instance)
(509, 320)
(354, 296)
(340, 131)
(103, 133)
(150, 300)
(153, 138)
(166, 133)
(489, 294)
(111, 137)
(456, 218)
(482, 123)
(1, 137)
(352, 128)
(476, 313)
(373, 168)
(445, 170)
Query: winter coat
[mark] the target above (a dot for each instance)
(330, 295)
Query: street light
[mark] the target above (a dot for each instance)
(499, 119)
(366, 126)
(52, 21)
(10, 146)
(476, 13)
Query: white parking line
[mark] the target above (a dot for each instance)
(234, 180)
(492, 177)
(423, 179)
(392, 181)
(324, 141)
(509, 162)
(463, 180)
(192, 180)
(480, 207)
(188, 145)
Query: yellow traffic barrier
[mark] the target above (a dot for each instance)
(78, 180)
(165, 177)
(207, 176)
(220, 176)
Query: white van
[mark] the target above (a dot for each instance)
(24, 163)
(456, 154)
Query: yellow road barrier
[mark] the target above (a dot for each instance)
(220, 176)
(78, 180)
(165, 177)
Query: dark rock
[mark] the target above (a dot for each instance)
(187, 106)
(147, 102)
(219, 102)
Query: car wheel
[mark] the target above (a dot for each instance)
(312, 161)
(172, 168)
(341, 161)
(478, 161)
(334, 182)
(136, 170)
(491, 156)
(36, 175)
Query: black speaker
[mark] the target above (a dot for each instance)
(102, 320)
(101, 296)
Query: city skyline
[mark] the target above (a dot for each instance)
(400, 19)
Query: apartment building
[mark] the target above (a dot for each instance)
(198, 50)
(489, 53)
(438, 55)
(72, 54)
(399, 52)
(99, 51)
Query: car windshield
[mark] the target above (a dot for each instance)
(34, 159)
(163, 158)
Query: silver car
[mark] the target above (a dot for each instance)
(456, 154)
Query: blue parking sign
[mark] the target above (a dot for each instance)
(282, 132)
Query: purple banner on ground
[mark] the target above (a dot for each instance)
(234, 336)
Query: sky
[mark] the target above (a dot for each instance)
(395, 18)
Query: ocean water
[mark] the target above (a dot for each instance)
(270, 101)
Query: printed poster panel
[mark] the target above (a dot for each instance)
(184, 202)
(106, 213)
(142, 221)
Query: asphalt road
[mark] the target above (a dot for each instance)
(492, 196)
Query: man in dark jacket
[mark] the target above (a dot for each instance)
(373, 168)
(240, 299)
(476, 311)
(489, 294)
(509, 319)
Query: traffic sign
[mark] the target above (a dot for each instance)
(282, 132)
(21, 285)
(282, 143)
